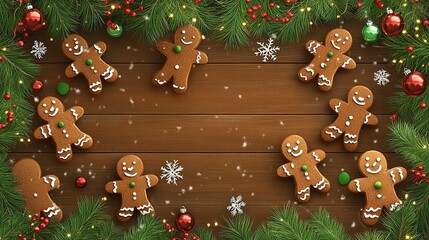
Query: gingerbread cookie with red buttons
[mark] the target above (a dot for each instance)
(61, 127)
(180, 56)
(302, 167)
(36, 188)
(88, 62)
(328, 58)
(352, 115)
(132, 187)
(378, 185)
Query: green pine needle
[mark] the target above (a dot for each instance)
(326, 227)
(237, 227)
(285, 224)
(148, 228)
(372, 235)
(91, 14)
(204, 233)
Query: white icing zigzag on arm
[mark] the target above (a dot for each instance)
(316, 157)
(199, 57)
(400, 173)
(395, 205)
(74, 113)
(367, 118)
(314, 50)
(43, 133)
(115, 187)
(74, 69)
(98, 48)
(148, 181)
(52, 183)
(337, 107)
(346, 63)
(393, 176)
(285, 170)
(357, 185)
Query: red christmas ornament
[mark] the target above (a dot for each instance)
(425, 22)
(392, 24)
(1, 58)
(7, 96)
(33, 19)
(414, 83)
(80, 182)
(20, 43)
(184, 221)
(36, 229)
(410, 49)
(423, 105)
(37, 86)
(272, 4)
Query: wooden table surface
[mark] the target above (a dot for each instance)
(225, 131)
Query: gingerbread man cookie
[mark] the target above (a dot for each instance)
(328, 58)
(88, 62)
(180, 56)
(378, 185)
(132, 187)
(36, 188)
(303, 167)
(351, 116)
(61, 127)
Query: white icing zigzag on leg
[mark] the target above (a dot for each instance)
(305, 195)
(82, 140)
(94, 85)
(320, 184)
(308, 69)
(110, 71)
(370, 209)
(303, 76)
(372, 216)
(326, 81)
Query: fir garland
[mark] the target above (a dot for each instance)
(228, 21)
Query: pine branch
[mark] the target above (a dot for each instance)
(285, 224)
(91, 14)
(401, 222)
(148, 228)
(326, 227)
(108, 231)
(236, 228)
(61, 17)
(261, 27)
(11, 199)
(263, 232)
(13, 223)
(10, 15)
(204, 233)
(372, 235)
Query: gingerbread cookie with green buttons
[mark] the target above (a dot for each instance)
(132, 187)
(328, 58)
(180, 54)
(88, 62)
(302, 167)
(378, 185)
(61, 127)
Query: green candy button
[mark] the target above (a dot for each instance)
(132, 184)
(61, 124)
(330, 54)
(88, 62)
(304, 168)
(63, 88)
(177, 49)
(377, 185)
(344, 178)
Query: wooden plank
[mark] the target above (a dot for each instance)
(207, 188)
(209, 133)
(217, 89)
(127, 49)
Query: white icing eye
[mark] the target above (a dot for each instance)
(124, 163)
(298, 142)
(288, 145)
(183, 31)
(289, 151)
(124, 168)
(367, 158)
(75, 39)
(193, 37)
(53, 102)
(134, 163)
(350, 117)
(369, 96)
(70, 49)
(378, 159)
(44, 105)
(344, 43)
(336, 35)
(367, 165)
(356, 93)
(347, 38)
(67, 45)
(46, 111)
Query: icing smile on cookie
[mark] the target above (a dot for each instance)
(333, 44)
(374, 164)
(128, 170)
(52, 112)
(294, 150)
(359, 100)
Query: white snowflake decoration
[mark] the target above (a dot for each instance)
(236, 205)
(172, 172)
(38, 49)
(381, 77)
(267, 50)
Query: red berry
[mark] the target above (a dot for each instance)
(126, 2)
(410, 49)
(46, 221)
(423, 175)
(290, 14)
(381, 5)
(7, 96)
(24, 238)
(141, 8)
(25, 35)
(359, 4)
(249, 11)
(247, 1)
(423, 105)
(285, 20)
(10, 113)
(108, 13)
(42, 226)
(1, 58)
(133, 14)
(42, 218)
(393, 117)
(9, 119)
(419, 168)
(20, 43)
(412, 171)
(36, 215)
(20, 235)
(418, 174)
(167, 226)
(268, 19)
(425, 22)
(254, 8)
(416, 1)
(272, 4)
(276, 19)
(253, 17)
(36, 229)
(3, 125)
(186, 235)
(127, 11)
(427, 181)
(20, 24)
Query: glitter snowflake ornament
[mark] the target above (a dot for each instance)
(381, 77)
(172, 172)
(38, 49)
(267, 50)
(236, 205)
